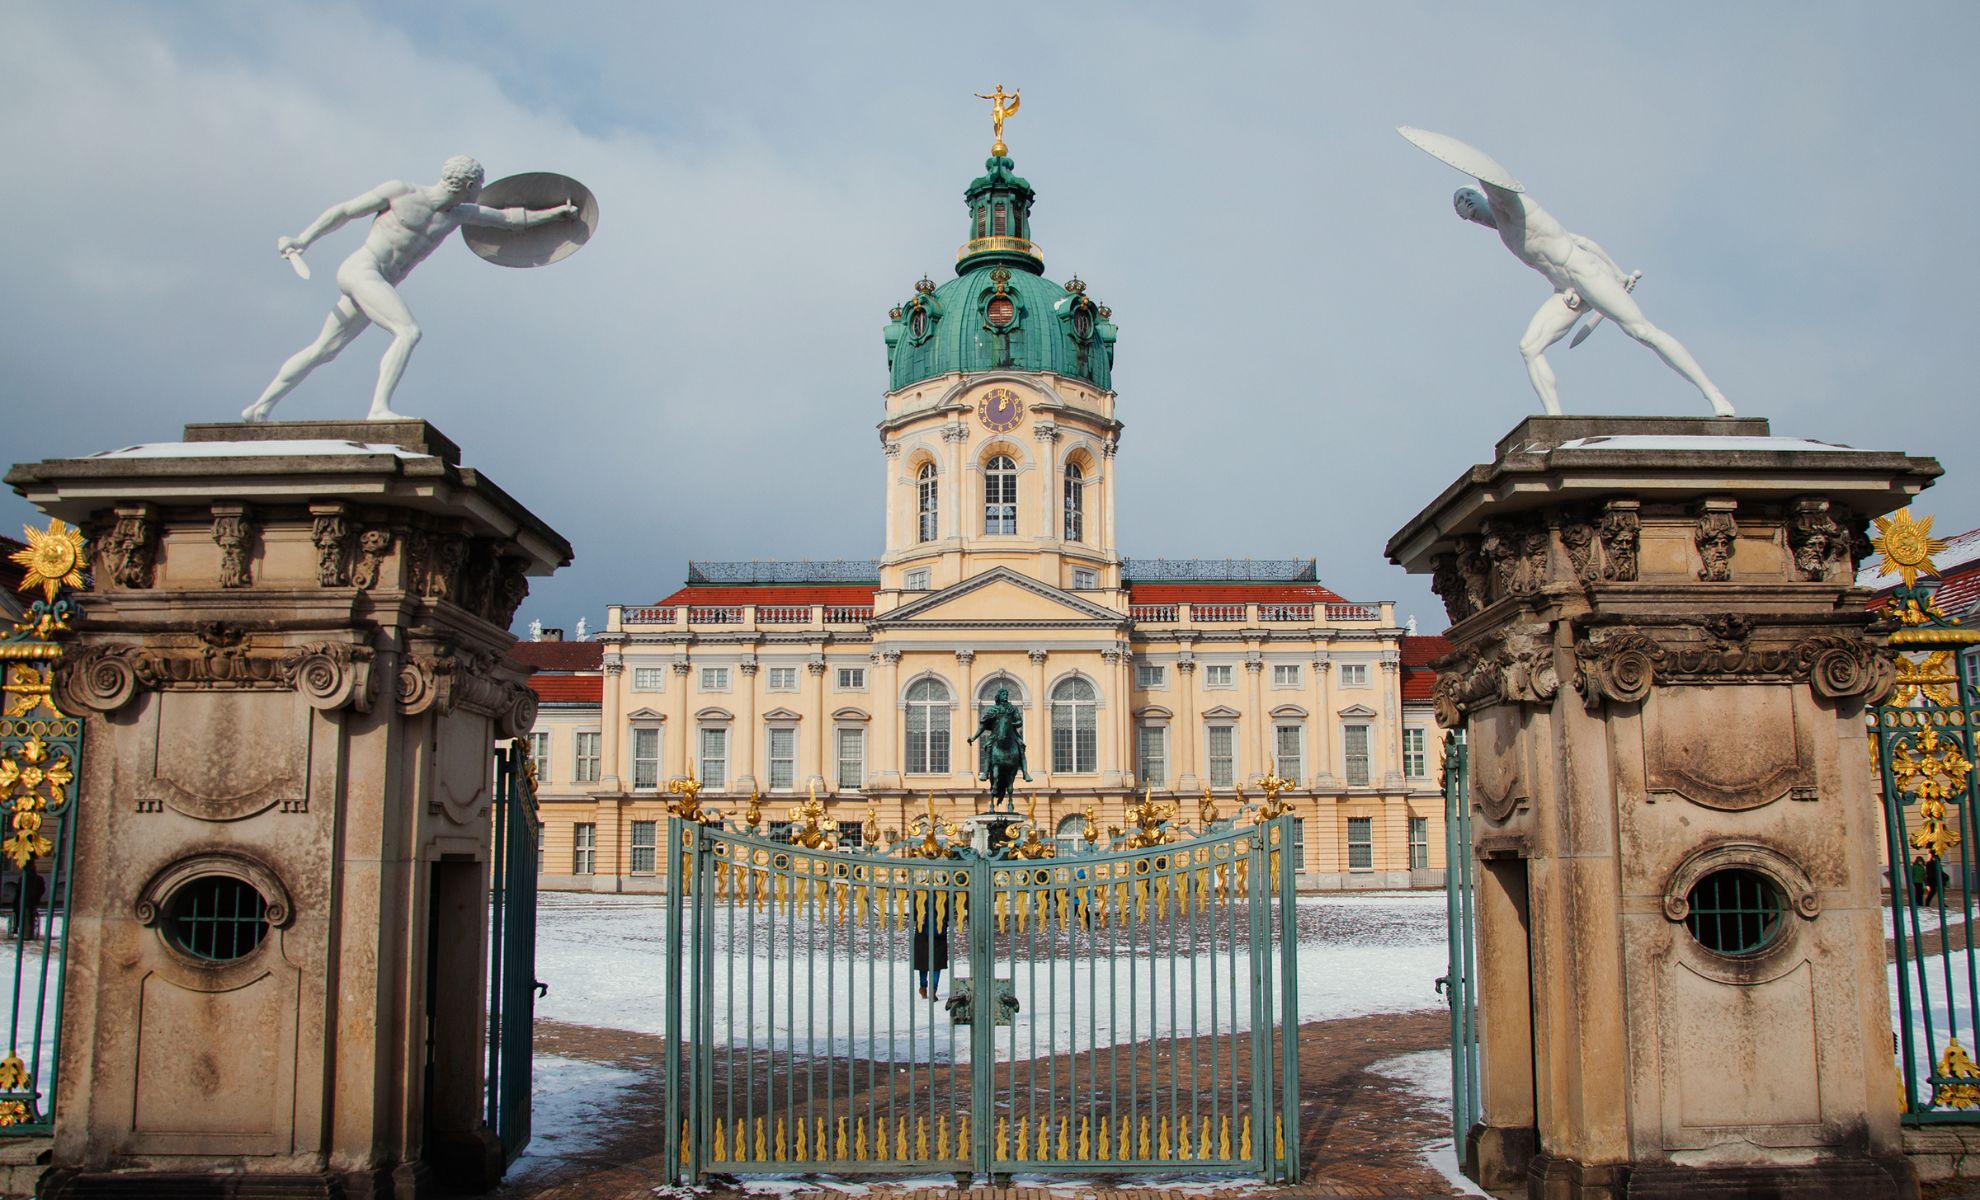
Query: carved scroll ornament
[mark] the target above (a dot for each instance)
(445, 678)
(1624, 664)
(1517, 670)
(106, 676)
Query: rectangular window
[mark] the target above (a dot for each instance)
(1217, 675)
(1153, 749)
(646, 759)
(852, 835)
(917, 580)
(1285, 674)
(649, 679)
(585, 761)
(852, 758)
(1299, 844)
(1354, 675)
(1223, 767)
(1419, 843)
(1149, 675)
(715, 759)
(714, 679)
(539, 755)
(1361, 844)
(1286, 756)
(645, 845)
(1084, 580)
(852, 679)
(778, 831)
(783, 758)
(1354, 739)
(783, 679)
(1416, 763)
(584, 856)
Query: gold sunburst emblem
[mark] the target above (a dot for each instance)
(1907, 547)
(53, 559)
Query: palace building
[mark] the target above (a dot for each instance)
(860, 681)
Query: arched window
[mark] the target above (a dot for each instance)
(986, 692)
(925, 494)
(1075, 744)
(1000, 496)
(928, 727)
(1070, 836)
(1075, 503)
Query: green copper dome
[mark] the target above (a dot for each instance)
(1000, 312)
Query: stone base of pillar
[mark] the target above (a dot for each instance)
(1551, 1178)
(1496, 1157)
(67, 1184)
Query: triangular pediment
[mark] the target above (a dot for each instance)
(645, 714)
(1000, 597)
(1222, 712)
(781, 714)
(1357, 710)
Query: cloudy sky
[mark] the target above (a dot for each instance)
(1312, 345)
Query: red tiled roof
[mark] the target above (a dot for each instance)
(559, 656)
(568, 689)
(1958, 590)
(1232, 593)
(820, 593)
(1418, 680)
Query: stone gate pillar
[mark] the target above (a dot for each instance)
(1661, 663)
(291, 667)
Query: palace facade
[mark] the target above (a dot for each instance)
(861, 680)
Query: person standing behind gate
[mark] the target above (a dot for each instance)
(1918, 882)
(928, 953)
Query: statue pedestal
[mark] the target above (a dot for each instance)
(291, 669)
(1661, 666)
(990, 832)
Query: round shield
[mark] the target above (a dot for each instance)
(539, 245)
(1462, 155)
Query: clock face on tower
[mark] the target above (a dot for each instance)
(1000, 410)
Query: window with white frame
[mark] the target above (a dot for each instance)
(1419, 843)
(928, 727)
(852, 679)
(1354, 744)
(781, 743)
(1075, 503)
(1150, 675)
(1075, 735)
(645, 758)
(584, 758)
(1299, 845)
(1361, 843)
(714, 679)
(783, 679)
(852, 758)
(645, 846)
(986, 692)
(584, 849)
(1287, 740)
(539, 755)
(916, 580)
(714, 757)
(1416, 759)
(927, 520)
(1000, 496)
(1152, 755)
(1085, 580)
(1223, 756)
(1285, 675)
(1218, 675)
(649, 679)
(1354, 675)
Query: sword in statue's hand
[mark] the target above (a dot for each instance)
(288, 249)
(1581, 335)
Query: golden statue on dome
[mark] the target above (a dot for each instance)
(999, 109)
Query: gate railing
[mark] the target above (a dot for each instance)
(1459, 983)
(512, 951)
(1922, 745)
(1132, 1011)
(40, 759)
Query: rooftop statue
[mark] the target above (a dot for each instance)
(1001, 106)
(408, 222)
(1585, 278)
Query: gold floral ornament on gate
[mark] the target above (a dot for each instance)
(1931, 767)
(1957, 1065)
(810, 827)
(18, 1084)
(688, 807)
(33, 783)
(1273, 785)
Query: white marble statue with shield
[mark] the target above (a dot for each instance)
(522, 221)
(1586, 280)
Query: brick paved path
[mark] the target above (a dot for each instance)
(1359, 1132)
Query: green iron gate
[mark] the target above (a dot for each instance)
(512, 951)
(40, 759)
(1459, 984)
(1923, 747)
(1129, 1010)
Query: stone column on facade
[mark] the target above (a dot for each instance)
(1326, 725)
(955, 440)
(682, 735)
(890, 498)
(1112, 718)
(742, 775)
(821, 748)
(1038, 739)
(887, 731)
(965, 764)
(608, 863)
(1186, 735)
(1109, 491)
(612, 748)
(291, 678)
(1047, 433)
(1391, 718)
(1262, 750)
(1653, 694)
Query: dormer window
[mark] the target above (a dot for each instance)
(1000, 222)
(1001, 311)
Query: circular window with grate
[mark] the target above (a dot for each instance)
(1002, 312)
(1736, 911)
(216, 918)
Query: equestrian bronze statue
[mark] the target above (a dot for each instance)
(1000, 758)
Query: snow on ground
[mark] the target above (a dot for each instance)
(1428, 1074)
(572, 1101)
(1947, 1008)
